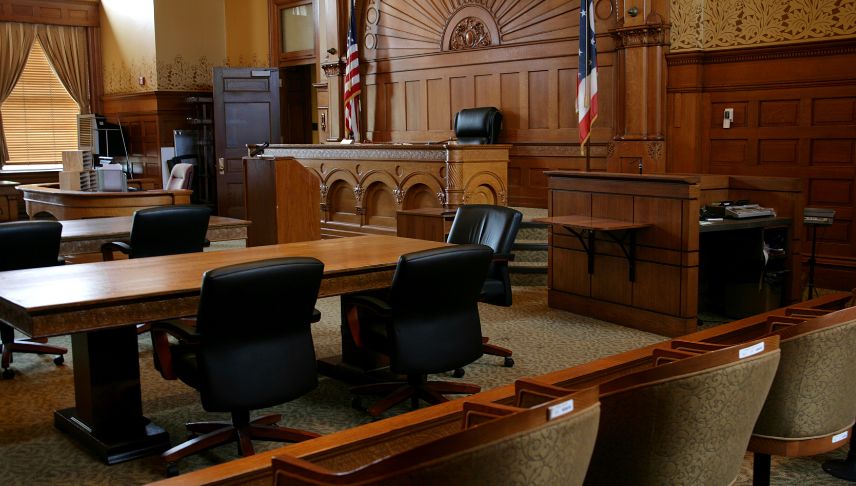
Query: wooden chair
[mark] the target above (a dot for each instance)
(496, 227)
(251, 348)
(428, 323)
(498, 445)
(686, 420)
(28, 244)
(811, 406)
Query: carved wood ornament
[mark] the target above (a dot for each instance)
(470, 33)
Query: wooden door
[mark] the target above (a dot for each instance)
(246, 110)
(296, 95)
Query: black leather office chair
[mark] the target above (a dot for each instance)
(163, 230)
(427, 323)
(251, 348)
(478, 125)
(496, 227)
(28, 244)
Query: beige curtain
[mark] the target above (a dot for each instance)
(16, 39)
(67, 51)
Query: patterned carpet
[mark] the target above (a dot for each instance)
(33, 452)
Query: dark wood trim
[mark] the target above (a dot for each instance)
(82, 13)
(96, 73)
(277, 57)
(806, 49)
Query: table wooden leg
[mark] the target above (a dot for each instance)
(108, 414)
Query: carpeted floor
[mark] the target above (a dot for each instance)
(33, 452)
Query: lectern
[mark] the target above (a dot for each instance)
(282, 201)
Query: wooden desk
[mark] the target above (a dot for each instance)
(99, 303)
(740, 224)
(663, 296)
(580, 226)
(365, 443)
(49, 199)
(8, 201)
(425, 223)
(81, 236)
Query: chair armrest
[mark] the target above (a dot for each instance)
(502, 257)
(289, 469)
(182, 329)
(806, 312)
(774, 322)
(107, 249)
(695, 346)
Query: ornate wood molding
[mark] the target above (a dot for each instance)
(810, 49)
(389, 152)
(332, 68)
(645, 35)
(470, 33)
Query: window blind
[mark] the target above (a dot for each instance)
(39, 117)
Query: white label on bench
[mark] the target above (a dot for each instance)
(560, 409)
(839, 437)
(752, 350)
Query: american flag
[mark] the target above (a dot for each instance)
(352, 82)
(587, 74)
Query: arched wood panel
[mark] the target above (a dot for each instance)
(425, 61)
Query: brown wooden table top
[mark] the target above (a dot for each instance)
(120, 227)
(74, 298)
(590, 223)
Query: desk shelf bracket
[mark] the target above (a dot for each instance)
(627, 243)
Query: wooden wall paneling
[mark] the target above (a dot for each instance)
(609, 281)
(437, 101)
(60, 12)
(148, 120)
(414, 105)
(794, 117)
(526, 68)
(571, 274)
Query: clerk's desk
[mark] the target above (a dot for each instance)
(82, 236)
(651, 283)
(63, 204)
(99, 303)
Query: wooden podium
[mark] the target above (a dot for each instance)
(282, 201)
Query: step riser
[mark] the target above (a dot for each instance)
(529, 267)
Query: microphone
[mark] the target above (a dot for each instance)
(258, 149)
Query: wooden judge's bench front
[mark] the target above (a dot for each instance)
(629, 248)
(363, 186)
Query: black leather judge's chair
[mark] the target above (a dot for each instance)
(478, 125)
(163, 230)
(28, 244)
(496, 227)
(251, 348)
(427, 323)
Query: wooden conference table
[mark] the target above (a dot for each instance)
(99, 303)
(82, 236)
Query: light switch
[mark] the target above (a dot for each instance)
(727, 117)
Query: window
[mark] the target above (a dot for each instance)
(39, 117)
